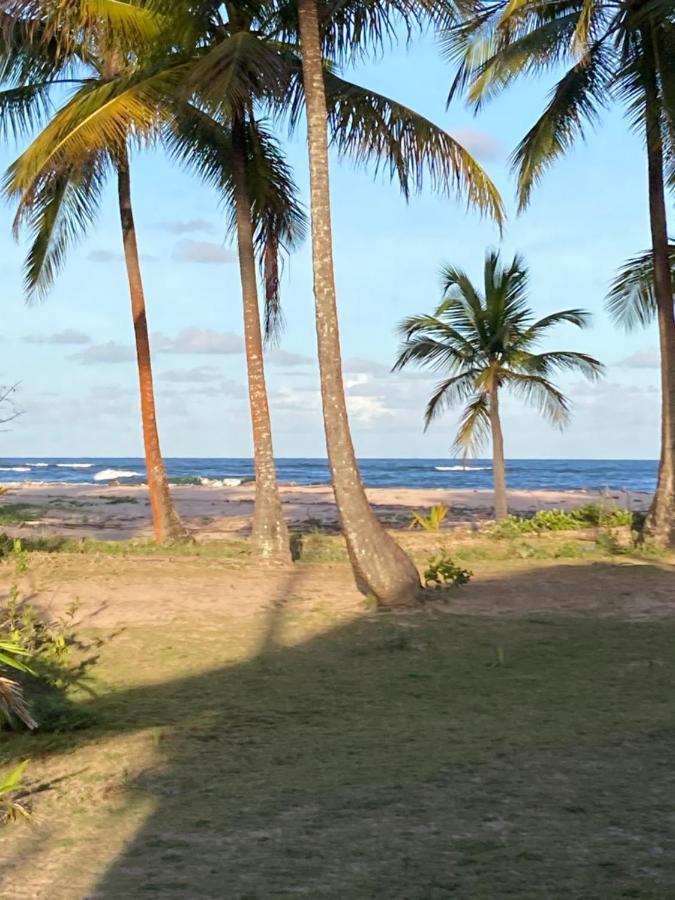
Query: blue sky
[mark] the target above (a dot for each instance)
(72, 354)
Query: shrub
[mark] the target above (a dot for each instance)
(431, 522)
(589, 516)
(442, 571)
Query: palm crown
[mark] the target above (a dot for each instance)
(487, 340)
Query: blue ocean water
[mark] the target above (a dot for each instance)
(559, 474)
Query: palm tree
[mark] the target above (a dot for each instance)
(616, 51)
(483, 342)
(380, 566)
(59, 179)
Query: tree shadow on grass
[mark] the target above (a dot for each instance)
(412, 758)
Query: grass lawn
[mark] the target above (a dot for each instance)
(306, 747)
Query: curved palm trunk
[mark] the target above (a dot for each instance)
(498, 465)
(660, 522)
(269, 537)
(167, 525)
(380, 566)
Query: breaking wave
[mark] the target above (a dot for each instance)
(462, 468)
(113, 474)
(73, 465)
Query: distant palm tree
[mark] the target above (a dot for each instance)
(483, 342)
(612, 51)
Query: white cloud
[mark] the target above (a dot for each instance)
(649, 358)
(103, 256)
(480, 144)
(284, 358)
(202, 252)
(67, 336)
(198, 375)
(109, 353)
(186, 227)
(365, 366)
(199, 341)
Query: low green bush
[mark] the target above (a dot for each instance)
(589, 516)
(442, 571)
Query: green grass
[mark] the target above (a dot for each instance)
(406, 759)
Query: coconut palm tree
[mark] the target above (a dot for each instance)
(380, 566)
(615, 52)
(58, 181)
(483, 342)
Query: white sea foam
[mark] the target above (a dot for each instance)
(74, 465)
(222, 482)
(113, 474)
(462, 468)
(14, 469)
(37, 465)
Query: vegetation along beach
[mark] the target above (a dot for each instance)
(337, 450)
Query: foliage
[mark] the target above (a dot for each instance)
(484, 341)
(40, 650)
(431, 522)
(442, 571)
(12, 809)
(589, 516)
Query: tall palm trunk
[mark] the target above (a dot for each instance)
(660, 523)
(498, 466)
(269, 536)
(167, 525)
(380, 566)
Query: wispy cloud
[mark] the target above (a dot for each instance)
(480, 144)
(284, 358)
(189, 226)
(202, 252)
(200, 341)
(67, 336)
(642, 359)
(109, 353)
(197, 375)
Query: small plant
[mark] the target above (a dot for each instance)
(431, 522)
(442, 571)
(12, 809)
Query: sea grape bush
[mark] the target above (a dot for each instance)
(590, 516)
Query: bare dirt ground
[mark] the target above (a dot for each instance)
(114, 591)
(122, 511)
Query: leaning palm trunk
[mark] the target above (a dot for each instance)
(167, 525)
(660, 523)
(380, 566)
(269, 536)
(498, 467)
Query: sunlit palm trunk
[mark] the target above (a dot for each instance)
(498, 464)
(269, 536)
(167, 525)
(660, 523)
(379, 564)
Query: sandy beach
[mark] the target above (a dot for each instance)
(114, 512)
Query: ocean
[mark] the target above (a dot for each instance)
(558, 474)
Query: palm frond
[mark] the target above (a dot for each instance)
(373, 129)
(57, 211)
(538, 391)
(577, 100)
(450, 392)
(546, 364)
(631, 301)
(473, 430)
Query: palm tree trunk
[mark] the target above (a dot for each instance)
(380, 566)
(269, 537)
(659, 525)
(167, 525)
(498, 466)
